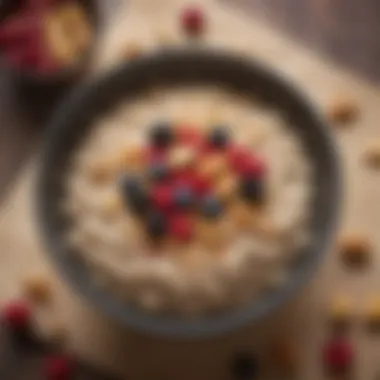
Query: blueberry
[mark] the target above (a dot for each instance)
(161, 135)
(244, 366)
(252, 190)
(156, 225)
(158, 171)
(211, 207)
(134, 193)
(219, 137)
(183, 198)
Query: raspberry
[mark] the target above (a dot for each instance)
(181, 227)
(193, 20)
(58, 367)
(338, 355)
(16, 315)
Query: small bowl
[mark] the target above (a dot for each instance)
(32, 83)
(73, 120)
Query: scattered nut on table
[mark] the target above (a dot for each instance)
(372, 154)
(343, 110)
(355, 249)
(37, 288)
(340, 311)
(372, 312)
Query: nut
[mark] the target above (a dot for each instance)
(37, 288)
(355, 249)
(226, 188)
(372, 312)
(181, 157)
(343, 110)
(340, 311)
(372, 154)
(213, 167)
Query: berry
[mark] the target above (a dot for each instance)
(17, 315)
(183, 198)
(338, 355)
(251, 189)
(219, 137)
(211, 207)
(134, 193)
(237, 157)
(244, 366)
(58, 367)
(156, 224)
(162, 197)
(181, 227)
(193, 20)
(188, 135)
(161, 135)
(158, 171)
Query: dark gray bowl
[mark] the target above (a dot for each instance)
(74, 118)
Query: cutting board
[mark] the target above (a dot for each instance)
(149, 24)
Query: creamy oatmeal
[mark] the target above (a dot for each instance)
(190, 200)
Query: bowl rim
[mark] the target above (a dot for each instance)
(169, 327)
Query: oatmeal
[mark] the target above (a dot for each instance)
(190, 201)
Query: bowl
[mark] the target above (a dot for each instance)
(35, 83)
(73, 120)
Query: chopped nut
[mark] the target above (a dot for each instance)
(355, 249)
(213, 167)
(242, 215)
(285, 356)
(343, 110)
(132, 157)
(372, 312)
(181, 157)
(372, 154)
(37, 288)
(226, 188)
(340, 311)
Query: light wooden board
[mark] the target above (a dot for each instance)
(97, 339)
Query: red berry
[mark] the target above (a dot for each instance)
(251, 167)
(17, 315)
(181, 227)
(338, 355)
(193, 20)
(162, 197)
(200, 185)
(188, 135)
(238, 157)
(58, 367)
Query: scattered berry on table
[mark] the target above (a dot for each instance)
(58, 367)
(158, 171)
(17, 315)
(338, 355)
(251, 190)
(181, 227)
(156, 224)
(37, 288)
(244, 366)
(184, 198)
(343, 110)
(211, 207)
(355, 249)
(193, 20)
(161, 135)
(219, 137)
